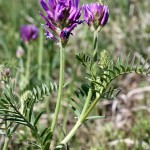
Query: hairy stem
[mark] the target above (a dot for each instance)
(60, 90)
(28, 63)
(40, 54)
(95, 45)
(85, 111)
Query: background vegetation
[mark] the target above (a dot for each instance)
(128, 116)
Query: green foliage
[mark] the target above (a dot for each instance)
(102, 77)
(85, 60)
(78, 102)
(46, 137)
(15, 111)
(9, 109)
(39, 93)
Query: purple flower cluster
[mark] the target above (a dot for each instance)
(96, 15)
(29, 32)
(62, 17)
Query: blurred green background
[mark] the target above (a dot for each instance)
(127, 31)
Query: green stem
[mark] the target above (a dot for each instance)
(95, 45)
(70, 135)
(60, 90)
(40, 54)
(21, 65)
(86, 105)
(28, 63)
(79, 122)
(90, 108)
(67, 110)
(5, 147)
(85, 111)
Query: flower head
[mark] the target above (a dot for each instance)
(96, 15)
(62, 17)
(29, 32)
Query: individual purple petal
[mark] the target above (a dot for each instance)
(52, 4)
(72, 27)
(88, 14)
(77, 15)
(49, 35)
(72, 3)
(46, 8)
(48, 23)
(67, 32)
(105, 16)
(44, 5)
(77, 3)
(59, 13)
(71, 16)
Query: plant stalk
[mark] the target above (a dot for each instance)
(95, 45)
(21, 65)
(28, 61)
(5, 147)
(90, 108)
(70, 135)
(78, 123)
(85, 111)
(86, 105)
(40, 55)
(60, 90)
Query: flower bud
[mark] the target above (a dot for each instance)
(20, 52)
(7, 72)
(105, 59)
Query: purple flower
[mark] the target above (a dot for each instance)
(62, 16)
(29, 32)
(96, 15)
